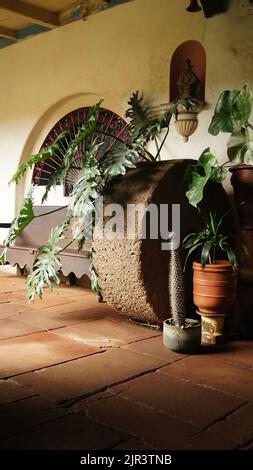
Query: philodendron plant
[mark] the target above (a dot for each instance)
(93, 179)
(231, 114)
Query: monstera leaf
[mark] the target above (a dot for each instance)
(207, 168)
(26, 215)
(46, 264)
(232, 111)
(44, 154)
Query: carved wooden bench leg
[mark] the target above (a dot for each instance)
(20, 271)
(71, 279)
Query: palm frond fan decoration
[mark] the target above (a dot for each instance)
(110, 128)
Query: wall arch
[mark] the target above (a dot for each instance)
(189, 50)
(43, 126)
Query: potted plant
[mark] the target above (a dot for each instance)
(215, 274)
(180, 334)
(93, 180)
(231, 115)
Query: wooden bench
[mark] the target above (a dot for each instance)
(22, 254)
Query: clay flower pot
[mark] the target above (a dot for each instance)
(214, 287)
(180, 339)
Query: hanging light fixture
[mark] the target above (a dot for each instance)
(193, 7)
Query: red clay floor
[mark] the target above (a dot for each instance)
(74, 374)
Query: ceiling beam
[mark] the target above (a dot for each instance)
(32, 13)
(7, 33)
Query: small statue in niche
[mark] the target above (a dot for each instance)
(188, 83)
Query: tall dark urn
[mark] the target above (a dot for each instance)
(242, 182)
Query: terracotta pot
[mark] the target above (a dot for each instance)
(214, 287)
(242, 182)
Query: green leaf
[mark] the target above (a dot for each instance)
(237, 145)
(198, 175)
(26, 215)
(138, 114)
(206, 252)
(46, 264)
(116, 162)
(192, 239)
(232, 111)
(44, 154)
(247, 157)
(192, 249)
(84, 132)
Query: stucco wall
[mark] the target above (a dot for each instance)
(112, 54)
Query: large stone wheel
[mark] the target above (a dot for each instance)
(133, 274)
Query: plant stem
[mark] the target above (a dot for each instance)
(214, 255)
(110, 135)
(249, 125)
(50, 212)
(156, 144)
(64, 248)
(161, 146)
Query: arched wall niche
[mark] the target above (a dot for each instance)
(39, 133)
(195, 52)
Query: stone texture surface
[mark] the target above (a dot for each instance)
(133, 273)
(133, 395)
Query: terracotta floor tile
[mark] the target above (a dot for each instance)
(208, 441)
(10, 392)
(216, 374)
(10, 328)
(68, 433)
(237, 352)
(39, 350)
(132, 444)
(89, 374)
(154, 347)
(106, 332)
(11, 283)
(40, 318)
(237, 426)
(19, 416)
(11, 297)
(11, 310)
(177, 398)
(76, 314)
(151, 426)
(49, 299)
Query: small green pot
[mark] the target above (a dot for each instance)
(185, 339)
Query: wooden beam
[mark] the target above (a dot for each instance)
(7, 33)
(32, 13)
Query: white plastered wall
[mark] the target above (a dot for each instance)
(113, 54)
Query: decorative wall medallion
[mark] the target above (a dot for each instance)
(108, 122)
